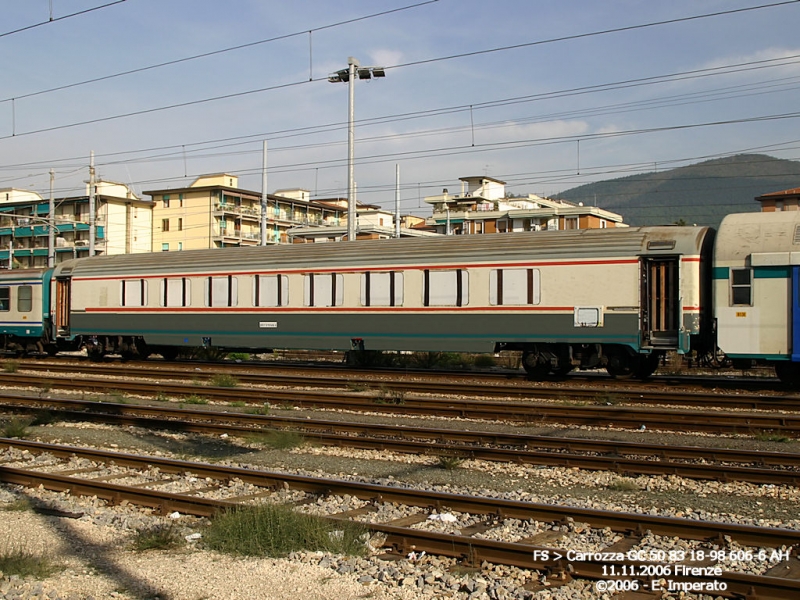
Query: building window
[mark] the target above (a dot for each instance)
(180, 246)
(323, 289)
(222, 291)
(382, 289)
(180, 200)
(502, 226)
(133, 292)
(164, 225)
(24, 298)
(270, 290)
(175, 292)
(165, 247)
(514, 287)
(165, 198)
(445, 288)
(5, 299)
(741, 287)
(603, 223)
(570, 222)
(180, 223)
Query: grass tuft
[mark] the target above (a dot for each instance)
(223, 380)
(10, 366)
(449, 462)
(162, 536)
(26, 563)
(16, 427)
(276, 530)
(278, 440)
(20, 504)
(623, 485)
(195, 399)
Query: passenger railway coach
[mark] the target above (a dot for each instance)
(615, 298)
(588, 297)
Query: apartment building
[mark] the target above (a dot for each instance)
(483, 206)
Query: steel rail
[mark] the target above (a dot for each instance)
(523, 390)
(419, 440)
(625, 522)
(474, 550)
(527, 412)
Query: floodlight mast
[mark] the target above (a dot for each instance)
(354, 70)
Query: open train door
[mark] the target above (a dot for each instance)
(63, 306)
(660, 305)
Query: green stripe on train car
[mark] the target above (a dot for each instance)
(723, 273)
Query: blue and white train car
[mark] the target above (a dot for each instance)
(756, 290)
(25, 323)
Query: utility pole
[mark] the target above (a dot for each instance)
(397, 200)
(264, 196)
(91, 203)
(51, 225)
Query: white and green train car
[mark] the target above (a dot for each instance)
(756, 286)
(617, 298)
(25, 324)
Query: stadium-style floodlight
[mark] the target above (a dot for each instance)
(354, 70)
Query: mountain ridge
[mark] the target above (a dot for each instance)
(701, 193)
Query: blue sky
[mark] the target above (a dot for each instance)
(574, 91)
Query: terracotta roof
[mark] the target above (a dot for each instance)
(791, 192)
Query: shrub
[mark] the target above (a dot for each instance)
(277, 530)
(10, 366)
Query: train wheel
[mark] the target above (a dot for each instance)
(647, 365)
(788, 372)
(621, 364)
(169, 353)
(535, 365)
(95, 352)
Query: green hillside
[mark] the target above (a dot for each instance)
(698, 194)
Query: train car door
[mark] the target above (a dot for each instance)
(660, 306)
(63, 306)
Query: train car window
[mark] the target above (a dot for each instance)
(446, 288)
(24, 298)
(741, 287)
(514, 287)
(323, 289)
(382, 289)
(270, 290)
(133, 292)
(176, 291)
(5, 299)
(222, 291)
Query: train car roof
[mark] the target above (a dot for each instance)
(762, 239)
(524, 247)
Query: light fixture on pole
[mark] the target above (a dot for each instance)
(354, 70)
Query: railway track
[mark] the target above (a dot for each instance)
(82, 471)
(532, 412)
(624, 458)
(495, 387)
